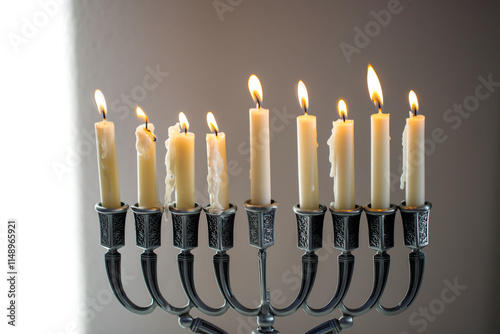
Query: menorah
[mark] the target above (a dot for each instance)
(261, 219)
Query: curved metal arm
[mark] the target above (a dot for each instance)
(113, 270)
(150, 273)
(198, 325)
(417, 265)
(185, 262)
(221, 268)
(381, 262)
(333, 326)
(309, 268)
(346, 268)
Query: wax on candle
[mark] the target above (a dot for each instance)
(260, 155)
(307, 152)
(217, 167)
(380, 147)
(414, 156)
(106, 157)
(146, 163)
(180, 165)
(341, 144)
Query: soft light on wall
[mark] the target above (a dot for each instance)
(39, 168)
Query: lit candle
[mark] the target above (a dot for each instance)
(341, 144)
(217, 167)
(414, 156)
(260, 156)
(307, 147)
(180, 164)
(380, 148)
(106, 157)
(146, 163)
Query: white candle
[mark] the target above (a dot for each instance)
(307, 149)
(146, 163)
(260, 156)
(380, 147)
(106, 157)
(180, 165)
(217, 167)
(414, 156)
(341, 144)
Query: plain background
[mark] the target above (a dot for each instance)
(439, 49)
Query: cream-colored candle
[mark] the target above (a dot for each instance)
(217, 167)
(380, 147)
(260, 155)
(341, 144)
(106, 157)
(146, 163)
(307, 149)
(414, 156)
(180, 164)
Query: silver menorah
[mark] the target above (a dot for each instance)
(261, 220)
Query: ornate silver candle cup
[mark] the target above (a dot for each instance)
(381, 227)
(185, 226)
(261, 224)
(112, 225)
(310, 228)
(147, 226)
(346, 228)
(415, 225)
(220, 228)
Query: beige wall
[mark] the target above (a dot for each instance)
(438, 49)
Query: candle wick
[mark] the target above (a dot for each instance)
(257, 104)
(305, 110)
(343, 117)
(414, 110)
(103, 114)
(152, 134)
(146, 124)
(185, 130)
(216, 133)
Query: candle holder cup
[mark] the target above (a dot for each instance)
(381, 227)
(185, 226)
(221, 228)
(147, 226)
(261, 220)
(346, 228)
(309, 228)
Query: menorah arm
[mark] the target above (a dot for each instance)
(381, 262)
(346, 267)
(113, 270)
(333, 326)
(186, 271)
(417, 265)
(221, 268)
(198, 325)
(309, 268)
(150, 273)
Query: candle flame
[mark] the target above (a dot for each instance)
(184, 122)
(255, 89)
(303, 96)
(374, 87)
(212, 124)
(101, 102)
(412, 97)
(140, 113)
(342, 107)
